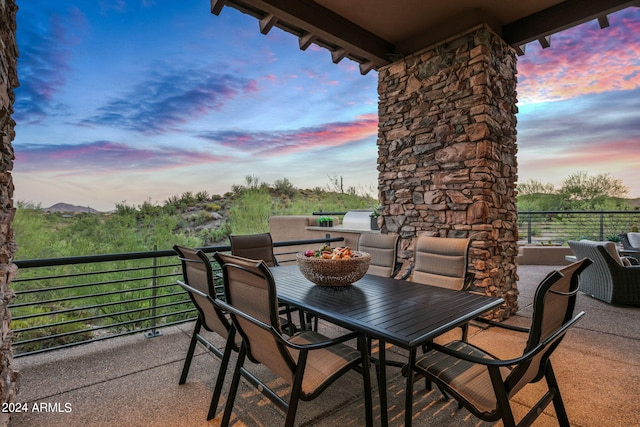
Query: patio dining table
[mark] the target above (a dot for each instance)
(399, 312)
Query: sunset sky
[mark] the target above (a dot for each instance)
(127, 101)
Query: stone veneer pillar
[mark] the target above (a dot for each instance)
(8, 81)
(447, 153)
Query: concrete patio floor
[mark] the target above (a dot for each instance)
(133, 381)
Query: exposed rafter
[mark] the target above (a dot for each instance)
(374, 43)
(306, 40)
(545, 42)
(566, 14)
(313, 23)
(267, 23)
(603, 21)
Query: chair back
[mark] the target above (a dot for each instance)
(441, 261)
(598, 280)
(384, 253)
(250, 289)
(198, 282)
(634, 240)
(553, 305)
(254, 246)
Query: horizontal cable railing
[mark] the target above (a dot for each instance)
(63, 302)
(560, 226)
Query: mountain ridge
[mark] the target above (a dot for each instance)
(69, 208)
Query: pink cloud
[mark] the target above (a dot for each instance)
(107, 156)
(285, 142)
(572, 67)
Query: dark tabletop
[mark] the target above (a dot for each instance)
(400, 312)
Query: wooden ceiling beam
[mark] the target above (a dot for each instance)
(267, 23)
(603, 21)
(329, 28)
(545, 42)
(217, 5)
(566, 14)
(338, 55)
(305, 41)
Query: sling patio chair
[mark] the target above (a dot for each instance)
(485, 384)
(254, 246)
(199, 284)
(442, 262)
(260, 246)
(384, 253)
(308, 361)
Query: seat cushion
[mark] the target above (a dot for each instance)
(322, 364)
(471, 381)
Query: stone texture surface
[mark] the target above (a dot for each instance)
(8, 81)
(447, 153)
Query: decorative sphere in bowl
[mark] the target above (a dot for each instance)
(334, 272)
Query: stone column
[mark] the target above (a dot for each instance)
(8, 81)
(447, 153)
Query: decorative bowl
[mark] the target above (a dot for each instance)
(334, 272)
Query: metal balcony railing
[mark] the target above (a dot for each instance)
(561, 226)
(63, 302)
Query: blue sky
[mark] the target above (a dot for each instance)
(140, 100)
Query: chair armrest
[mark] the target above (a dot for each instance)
(502, 325)
(407, 273)
(469, 281)
(507, 362)
(278, 336)
(396, 269)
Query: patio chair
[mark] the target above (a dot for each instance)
(254, 246)
(199, 284)
(611, 279)
(384, 253)
(308, 361)
(260, 246)
(443, 262)
(485, 384)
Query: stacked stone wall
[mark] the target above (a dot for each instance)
(447, 153)
(8, 81)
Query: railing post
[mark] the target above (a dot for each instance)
(601, 225)
(154, 292)
(529, 227)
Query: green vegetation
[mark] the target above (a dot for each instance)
(118, 294)
(190, 219)
(199, 219)
(578, 192)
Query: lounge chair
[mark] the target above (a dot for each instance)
(608, 279)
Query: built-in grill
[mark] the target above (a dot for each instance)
(358, 219)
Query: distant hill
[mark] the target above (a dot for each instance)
(68, 208)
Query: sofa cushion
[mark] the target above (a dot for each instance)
(609, 246)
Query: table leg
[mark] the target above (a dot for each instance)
(382, 382)
(408, 403)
